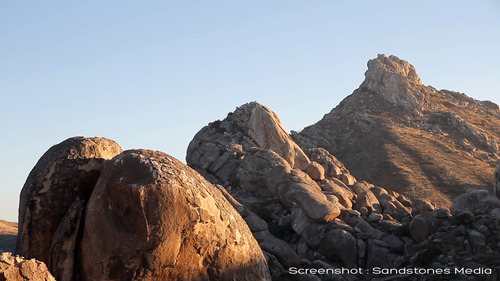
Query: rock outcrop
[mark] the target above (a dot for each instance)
(63, 178)
(262, 205)
(295, 209)
(396, 132)
(153, 218)
(92, 212)
(16, 268)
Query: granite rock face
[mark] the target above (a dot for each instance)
(63, 178)
(153, 218)
(291, 211)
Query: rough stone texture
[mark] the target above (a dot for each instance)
(347, 179)
(393, 78)
(315, 171)
(16, 268)
(422, 207)
(339, 244)
(477, 202)
(367, 200)
(421, 228)
(400, 134)
(251, 125)
(66, 173)
(151, 217)
(312, 217)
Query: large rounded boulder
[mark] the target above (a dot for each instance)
(151, 217)
(63, 177)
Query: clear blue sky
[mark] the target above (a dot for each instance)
(150, 74)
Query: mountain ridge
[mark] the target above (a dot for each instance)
(386, 129)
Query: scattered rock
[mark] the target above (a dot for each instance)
(16, 268)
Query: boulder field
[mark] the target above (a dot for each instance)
(253, 203)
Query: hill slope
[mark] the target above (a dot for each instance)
(8, 236)
(396, 132)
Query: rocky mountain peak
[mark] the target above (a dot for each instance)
(392, 65)
(396, 132)
(395, 80)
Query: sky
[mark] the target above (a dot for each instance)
(151, 74)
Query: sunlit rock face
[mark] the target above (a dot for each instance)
(395, 80)
(250, 126)
(53, 198)
(151, 217)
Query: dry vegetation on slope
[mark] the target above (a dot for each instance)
(8, 235)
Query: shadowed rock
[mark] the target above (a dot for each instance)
(66, 173)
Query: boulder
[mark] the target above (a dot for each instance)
(333, 167)
(421, 227)
(343, 199)
(379, 256)
(66, 173)
(151, 217)
(422, 207)
(477, 241)
(347, 179)
(16, 268)
(360, 187)
(377, 191)
(369, 201)
(477, 202)
(340, 245)
(336, 185)
(315, 171)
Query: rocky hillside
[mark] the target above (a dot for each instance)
(307, 210)
(396, 132)
(253, 204)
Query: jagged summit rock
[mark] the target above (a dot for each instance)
(251, 125)
(396, 81)
(392, 64)
(396, 132)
